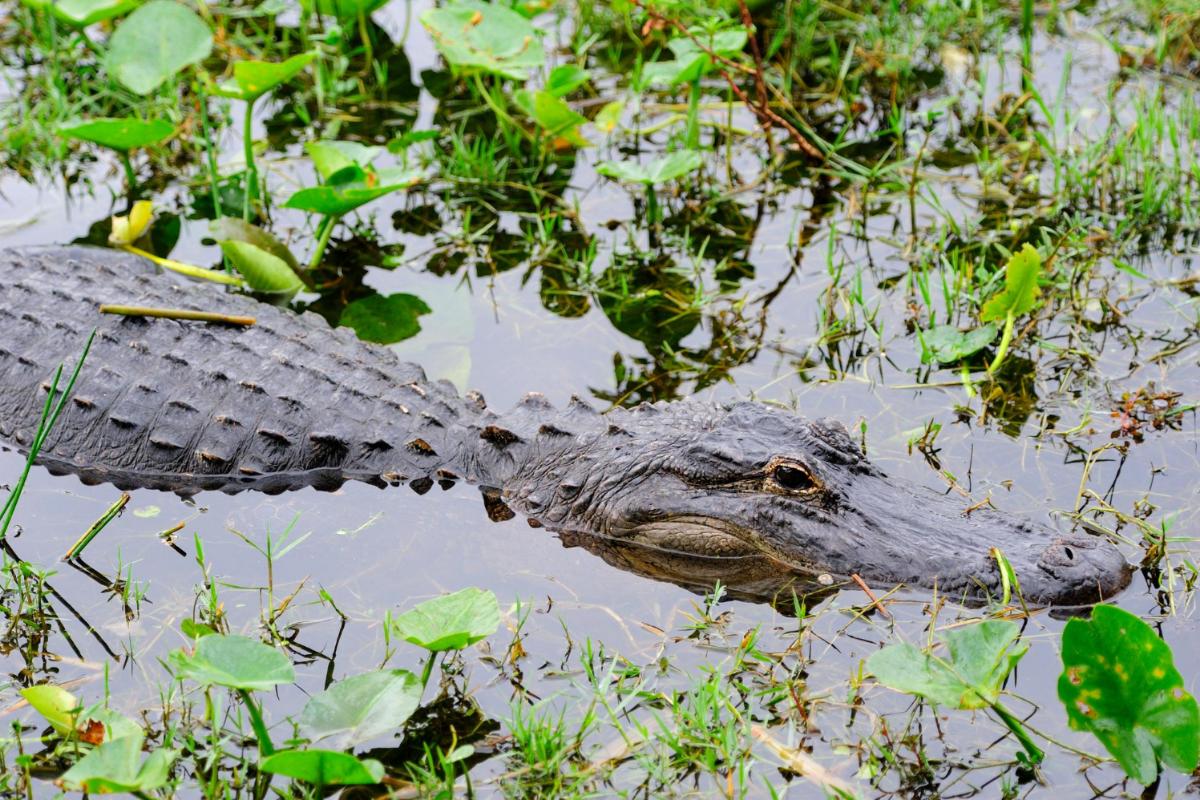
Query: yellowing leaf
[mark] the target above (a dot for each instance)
(128, 229)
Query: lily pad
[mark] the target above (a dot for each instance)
(450, 622)
(661, 170)
(118, 133)
(385, 319)
(361, 708)
(324, 767)
(1020, 295)
(1119, 681)
(237, 662)
(485, 37)
(117, 766)
(979, 658)
(946, 343)
(155, 42)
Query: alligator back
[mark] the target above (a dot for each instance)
(185, 406)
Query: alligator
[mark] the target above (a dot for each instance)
(290, 402)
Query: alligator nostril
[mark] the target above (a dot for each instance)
(1069, 553)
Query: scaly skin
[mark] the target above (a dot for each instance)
(289, 403)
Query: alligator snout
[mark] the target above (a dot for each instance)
(1076, 569)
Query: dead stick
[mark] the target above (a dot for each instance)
(176, 313)
(874, 600)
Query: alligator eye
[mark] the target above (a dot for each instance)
(793, 478)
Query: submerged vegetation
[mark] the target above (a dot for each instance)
(969, 227)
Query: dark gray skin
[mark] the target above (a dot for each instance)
(289, 403)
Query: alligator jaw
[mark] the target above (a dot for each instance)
(889, 532)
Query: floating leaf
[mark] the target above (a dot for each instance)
(1020, 295)
(155, 42)
(979, 658)
(56, 705)
(263, 271)
(385, 319)
(324, 767)
(661, 170)
(350, 188)
(1119, 681)
(361, 708)
(485, 37)
(253, 79)
(120, 133)
(128, 229)
(82, 13)
(237, 662)
(450, 622)
(117, 766)
(946, 343)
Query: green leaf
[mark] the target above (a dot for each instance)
(263, 271)
(236, 229)
(350, 188)
(155, 42)
(56, 705)
(553, 115)
(661, 170)
(117, 766)
(344, 9)
(1020, 295)
(360, 708)
(978, 660)
(1119, 681)
(384, 319)
(483, 37)
(946, 343)
(566, 78)
(450, 622)
(118, 133)
(237, 662)
(331, 157)
(82, 13)
(692, 61)
(253, 79)
(323, 767)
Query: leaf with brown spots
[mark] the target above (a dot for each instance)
(1119, 681)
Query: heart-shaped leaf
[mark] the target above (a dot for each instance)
(236, 662)
(979, 658)
(263, 271)
(384, 319)
(236, 229)
(331, 157)
(361, 708)
(450, 622)
(946, 343)
(350, 188)
(553, 115)
(1119, 681)
(155, 42)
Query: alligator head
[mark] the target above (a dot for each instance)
(749, 479)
